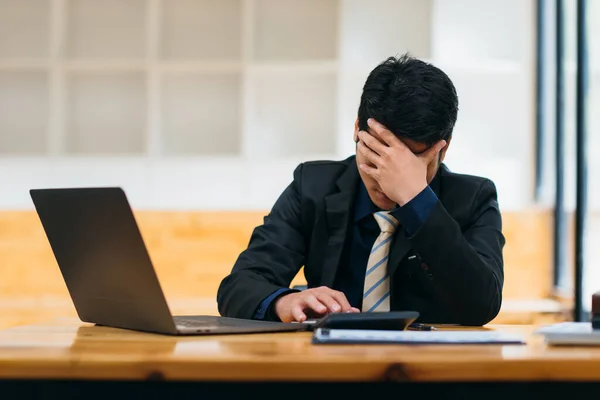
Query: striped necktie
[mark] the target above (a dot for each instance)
(376, 295)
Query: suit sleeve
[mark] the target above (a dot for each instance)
(466, 267)
(274, 256)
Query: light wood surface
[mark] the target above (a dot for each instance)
(66, 348)
(193, 250)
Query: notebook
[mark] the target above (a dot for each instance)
(347, 336)
(570, 333)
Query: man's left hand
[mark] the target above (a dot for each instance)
(401, 174)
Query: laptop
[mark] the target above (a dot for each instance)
(108, 271)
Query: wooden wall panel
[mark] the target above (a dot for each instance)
(528, 257)
(193, 251)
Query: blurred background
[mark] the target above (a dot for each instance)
(201, 109)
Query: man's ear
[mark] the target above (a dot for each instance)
(356, 131)
(444, 150)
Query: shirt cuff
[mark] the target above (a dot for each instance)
(264, 309)
(414, 213)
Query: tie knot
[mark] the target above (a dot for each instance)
(387, 223)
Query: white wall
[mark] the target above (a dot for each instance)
(212, 103)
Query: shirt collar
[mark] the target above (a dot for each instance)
(363, 206)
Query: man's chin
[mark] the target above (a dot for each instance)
(382, 201)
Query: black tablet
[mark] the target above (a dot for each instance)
(390, 321)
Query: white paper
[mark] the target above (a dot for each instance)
(448, 337)
(570, 333)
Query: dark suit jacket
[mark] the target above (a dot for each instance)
(456, 276)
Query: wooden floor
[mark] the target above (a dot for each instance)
(193, 251)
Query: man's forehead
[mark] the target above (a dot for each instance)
(414, 146)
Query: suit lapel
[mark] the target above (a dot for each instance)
(400, 244)
(400, 247)
(338, 207)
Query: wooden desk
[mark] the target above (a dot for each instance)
(61, 356)
(68, 349)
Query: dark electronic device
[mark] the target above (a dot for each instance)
(595, 314)
(391, 321)
(107, 269)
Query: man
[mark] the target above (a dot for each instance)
(388, 229)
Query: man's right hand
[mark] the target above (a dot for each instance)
(314, 302)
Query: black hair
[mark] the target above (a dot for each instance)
(412, 98)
